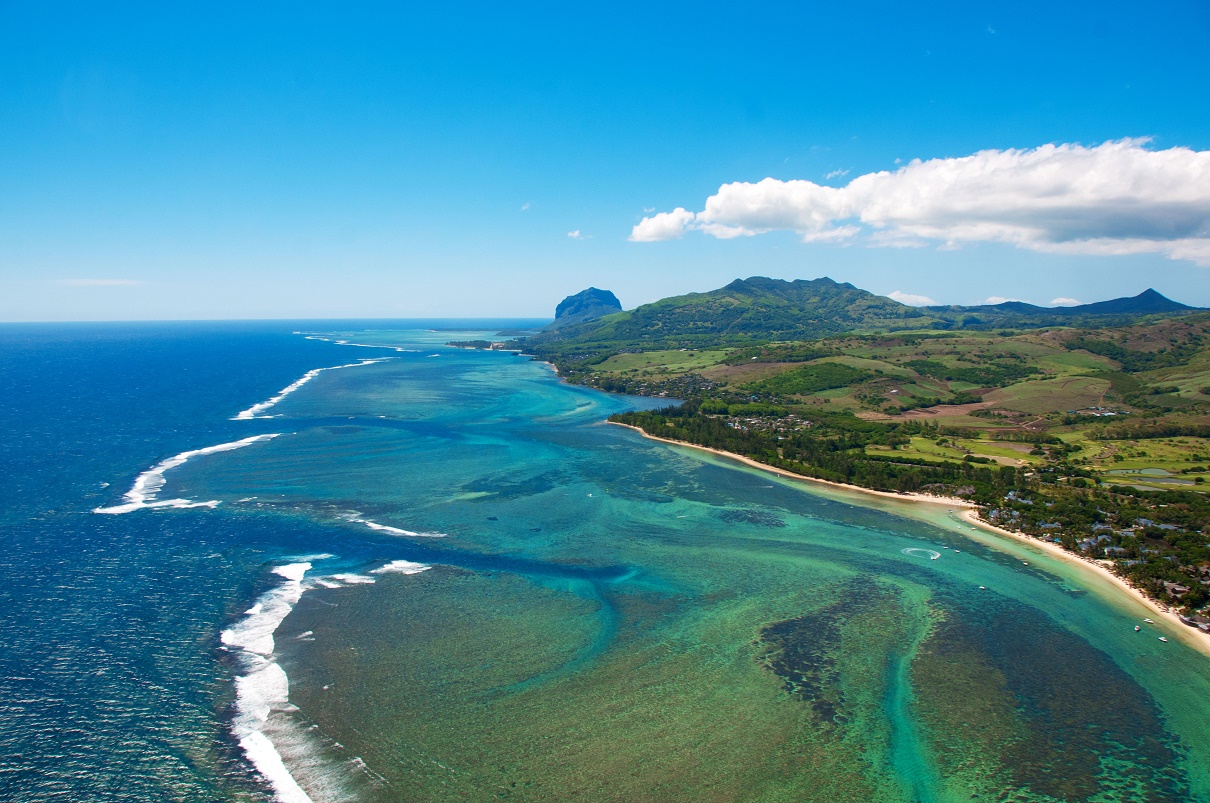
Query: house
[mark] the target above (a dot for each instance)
(1175, 589)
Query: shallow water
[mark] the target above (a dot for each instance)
(602, 616)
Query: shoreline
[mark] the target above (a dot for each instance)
(1195, 638)
(1187, 635)
(931, 499)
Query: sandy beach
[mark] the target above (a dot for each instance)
(1190, 636)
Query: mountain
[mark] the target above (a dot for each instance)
(1019, 314)
(585, 305)
(759, 309)
(1148, 302)
(745, 311)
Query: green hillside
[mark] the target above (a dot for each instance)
(759, 310)
(745, 311)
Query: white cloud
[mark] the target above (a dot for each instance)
(831, 235)
(575, 235)
(98, 282)
(911, 299)
(1065, 302)
(528, 205)
(1114, 198)
(835, 174)
(663, 226)
(1000, 300)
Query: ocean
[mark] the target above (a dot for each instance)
(327, 560)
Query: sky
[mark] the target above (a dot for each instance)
(274, 160)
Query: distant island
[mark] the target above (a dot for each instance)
(1087, 427)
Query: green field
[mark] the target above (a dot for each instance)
(678, 361)
(1051, 395)
(1160, 463)
(931, 449)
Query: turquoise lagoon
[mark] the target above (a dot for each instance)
(499, 596)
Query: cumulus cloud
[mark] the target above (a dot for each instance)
(1065, 302)
(665, 226)
(575, 235)
(1000, 300)
(98, 282)
(911, 299)
(1116, 198)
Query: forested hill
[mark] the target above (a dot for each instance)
(759, 309)
(745, 311)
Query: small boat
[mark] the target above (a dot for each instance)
(1025, 562)
(982, 588)
(1163, 639)
(1137, 628)
(1148, 621)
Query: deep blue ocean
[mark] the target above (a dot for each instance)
(111, 685)
(478, 590)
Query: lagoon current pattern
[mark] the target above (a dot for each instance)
(446, 579)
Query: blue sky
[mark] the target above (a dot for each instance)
(281, 160)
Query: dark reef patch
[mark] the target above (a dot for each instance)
(507, 488)
(803, 651)
(761, 518)
(1068, 723)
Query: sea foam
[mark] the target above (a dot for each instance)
(255, 410)
(358, 345)
(263, 687)
(401, 567)
(142, 494)
(373, 525)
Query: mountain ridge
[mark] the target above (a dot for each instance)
(760, 309)
(1148, 302)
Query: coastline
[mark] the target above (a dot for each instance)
(1187, 635)
(1190, 636)
(931, 499)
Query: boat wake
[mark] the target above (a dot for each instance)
(918, 552)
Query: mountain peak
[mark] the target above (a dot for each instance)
(1147, 302)
(585, 305)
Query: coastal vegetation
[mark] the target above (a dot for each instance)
(1087, 427)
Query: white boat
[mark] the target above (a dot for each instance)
(1163, 639)
(1137, 628)
(1148, 621)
